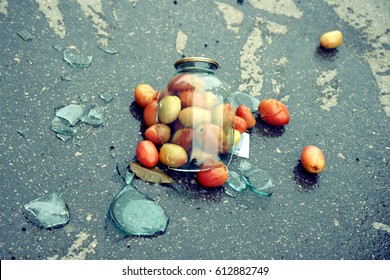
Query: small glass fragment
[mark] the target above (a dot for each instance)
(25, 35)
(58, 48)
(113, 153)
(71, 113)
(109, 50)
(66, 77)
(23, 133)
(124, 172)
(106, 96)
(63, 137)
(245, 166)
(239, 98)
(260, 182)
(75, 59)
(68, 117)
(64, 132)
(237, 181)
(251, 177)
(84, 98)
(49, 210)
(95, 116)
(133, 213)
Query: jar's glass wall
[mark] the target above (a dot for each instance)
(195, 105)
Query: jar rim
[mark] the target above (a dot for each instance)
(196, 59)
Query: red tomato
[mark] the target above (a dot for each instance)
(144, 94)
(211, 137)
(150, 113)
(312, 159)
(240, 124)
(185, 81)
(274, 112)
(184, 138)
(212, 174)
(190, 98)
(158, 133)
(244, 112)
(147, 153)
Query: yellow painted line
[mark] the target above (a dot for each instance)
(251, 54)
(232, 16)
(53, 16)
(251, 73)
(381, 226)
(133, 2)
(3, 7)
(94, 10)
(181, 41)
(373, 19)
(330, 91)
(78, 250)
(281, 7)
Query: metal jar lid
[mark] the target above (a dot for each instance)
(196, 59)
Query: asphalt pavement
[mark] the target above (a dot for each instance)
(338, 100)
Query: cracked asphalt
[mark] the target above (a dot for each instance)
(338, 100)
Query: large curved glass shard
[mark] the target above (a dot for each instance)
(133, 213)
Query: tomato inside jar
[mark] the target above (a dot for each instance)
(194, 104)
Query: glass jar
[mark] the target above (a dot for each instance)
(195, 106)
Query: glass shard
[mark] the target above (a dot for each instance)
(260, 182)
(63, 137)
(109, 50)
(84, 98)
(23, 133)
(133, 213)
(245, 166)
(68, 117)
(95, 116)
(251, 177)
(71, 113)
(66, 77)
(239, 98)
(64, 132)
(25, 35)
(58, 48)
(106, 96)
(49, 210)
(124, 172)
(113, 153)
(75, 59)
(237, 181)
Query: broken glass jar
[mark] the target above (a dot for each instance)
(49, 210)
(134, 213)
(195, 106)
